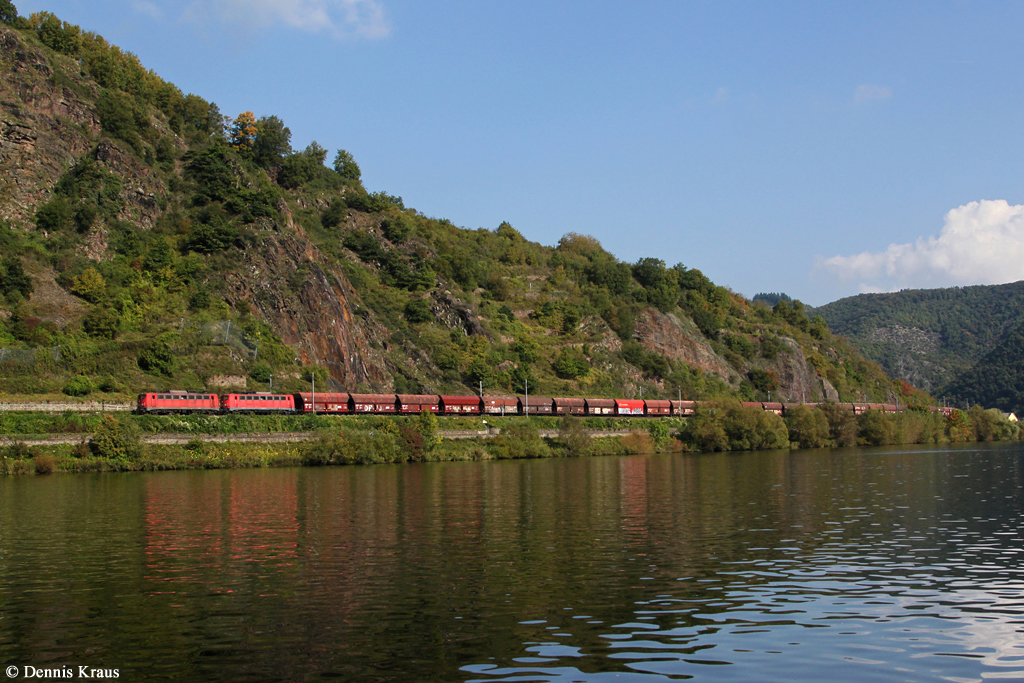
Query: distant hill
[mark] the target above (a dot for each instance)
(949, 342)
(997, 380)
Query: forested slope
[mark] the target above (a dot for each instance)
(150, 242)
(929, 336)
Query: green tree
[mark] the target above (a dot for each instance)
(571, 364)
(242, 135)
(121, 116)
(89, 285)
(807, 427)
(272, 142)
(300, 168)
(650, 272)
(8, 12)
(13, 280)
(54, 215)
(346, 166)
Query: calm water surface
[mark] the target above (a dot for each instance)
(875, 565)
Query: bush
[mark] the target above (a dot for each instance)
(13, 279)
(44, 464)
(101, 323)
(158, 358)
(574, 438)
(520, 440)
(19, 451)
(261, 372)
(659, 432)
(426, 425)
(316, 372)
(396, 229)
(81, 449)
(54, 215)
(78, 386)
(637, 442)
(571, 364)
(353, 448)
(365, 245)
(116, 440)
(418, 311)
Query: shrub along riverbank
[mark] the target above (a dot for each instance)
(114, 443)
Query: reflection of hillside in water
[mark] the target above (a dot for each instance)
(754, 566)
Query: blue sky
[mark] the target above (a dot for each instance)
(821, 149)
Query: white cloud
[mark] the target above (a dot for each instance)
(867, 92)
(147, 8)
(981, 243)
(339, 18)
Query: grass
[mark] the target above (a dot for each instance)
(23, 424)
(199, 455)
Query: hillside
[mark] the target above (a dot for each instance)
(997, 380)
(150, 242)
(935, 338)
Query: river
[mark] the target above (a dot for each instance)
(888, 564)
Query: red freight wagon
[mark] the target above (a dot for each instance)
(625, 406)
(570, 406)
(177, 402)
(752, 404)
(417, 403)
(875, 406)
(536, 405)
(786, 407)
(600, 406)
(890, 408)
(658, 407)
(464, 405)
(683, 408)
(325, 402)
(257, 403)
(373, 403)
(500, 405)
(774, 408)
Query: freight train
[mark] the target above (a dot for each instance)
(178, 402)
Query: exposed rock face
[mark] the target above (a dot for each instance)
(909, 339)
(679, 339)
(312, 313)
(456, 314)
(42, 125)
(797, 378)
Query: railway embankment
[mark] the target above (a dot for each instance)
(274, 437)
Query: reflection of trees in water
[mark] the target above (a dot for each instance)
(411, 572)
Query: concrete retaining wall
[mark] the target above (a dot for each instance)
(61, 406)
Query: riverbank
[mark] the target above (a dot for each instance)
(140, 443)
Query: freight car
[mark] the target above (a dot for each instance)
(177, 401)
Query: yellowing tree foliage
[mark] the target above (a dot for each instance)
(243, 131)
